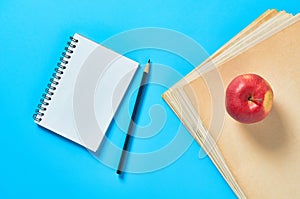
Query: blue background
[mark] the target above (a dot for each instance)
(39, 164)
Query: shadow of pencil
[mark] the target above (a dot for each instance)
(124, 162)
(123, 157)
(132, 125)
(102, 151)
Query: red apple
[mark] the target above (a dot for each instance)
(249, 98)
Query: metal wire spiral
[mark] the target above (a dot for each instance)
(54, 81)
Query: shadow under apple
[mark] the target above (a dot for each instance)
(270, 133)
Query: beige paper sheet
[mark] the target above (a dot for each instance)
(263, 157)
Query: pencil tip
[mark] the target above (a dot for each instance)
(146, 70)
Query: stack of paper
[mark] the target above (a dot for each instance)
(259, 160)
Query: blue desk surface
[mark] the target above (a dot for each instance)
(38, 164)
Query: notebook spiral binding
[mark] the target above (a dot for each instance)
(54, 81)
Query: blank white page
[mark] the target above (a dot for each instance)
(88, 94)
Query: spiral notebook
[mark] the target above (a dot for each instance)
(260, 160)
(85, 92)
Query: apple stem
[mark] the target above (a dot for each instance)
(250, 98)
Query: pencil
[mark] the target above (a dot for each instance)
(133, 117)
